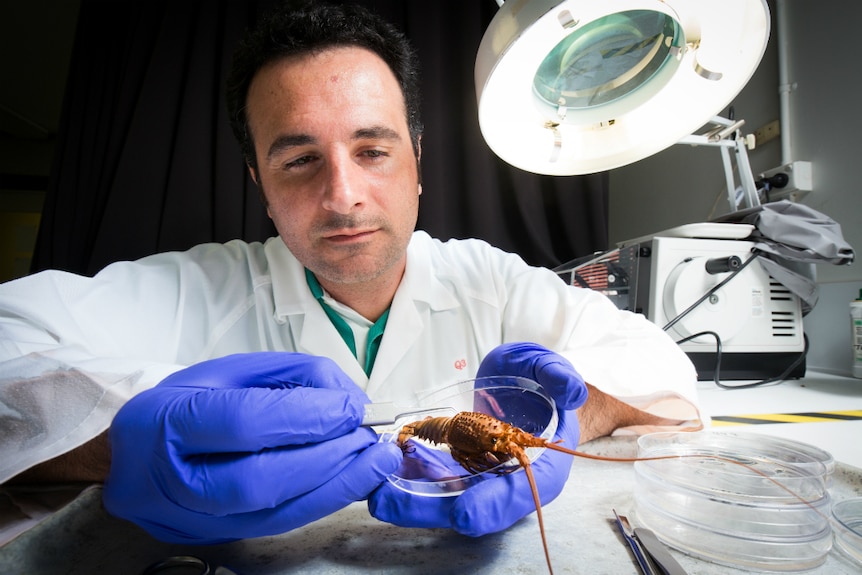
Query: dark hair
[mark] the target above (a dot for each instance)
(296, 28)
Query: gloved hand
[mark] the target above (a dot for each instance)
(549, 369)
(497, 503)
(243, 446)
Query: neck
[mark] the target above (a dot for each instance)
(369, 299)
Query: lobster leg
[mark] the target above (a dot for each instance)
(476, 463)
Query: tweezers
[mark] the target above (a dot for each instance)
(652, 556)
(387, 413)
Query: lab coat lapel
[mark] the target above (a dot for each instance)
(319, 337)
(403, 328)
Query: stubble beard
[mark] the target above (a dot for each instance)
(352, 264)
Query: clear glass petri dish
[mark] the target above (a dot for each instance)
(743, 500)
(430, 470)
(848, 528)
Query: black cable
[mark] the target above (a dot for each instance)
(716, 375)
(717, 370)
(776, 379)
(716, 378)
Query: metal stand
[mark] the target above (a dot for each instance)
(728, 137)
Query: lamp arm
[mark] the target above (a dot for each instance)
(721, 137)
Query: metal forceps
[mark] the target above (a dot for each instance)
(185, 565)
(387, 413)
(652, 557)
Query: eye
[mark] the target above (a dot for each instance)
(375, 153)
(298, 162)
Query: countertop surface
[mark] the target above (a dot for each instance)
(821, 409)
(582, 536)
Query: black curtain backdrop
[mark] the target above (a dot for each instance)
(146, 161)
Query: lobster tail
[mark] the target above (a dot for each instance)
(433, 429)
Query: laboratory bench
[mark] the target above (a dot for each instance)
(820, 409)
(582, 535)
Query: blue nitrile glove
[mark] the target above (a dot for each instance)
(497, 503)
(243, 446)
(549, 369)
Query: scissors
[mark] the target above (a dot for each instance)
(183, 564)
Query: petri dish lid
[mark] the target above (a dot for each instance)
(429, 469)
(743, 467)
(848, 528)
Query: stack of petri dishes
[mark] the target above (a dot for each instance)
(749, 501)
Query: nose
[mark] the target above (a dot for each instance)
(344, 186)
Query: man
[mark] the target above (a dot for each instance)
(239, 372)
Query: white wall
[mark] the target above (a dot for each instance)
(684, 184)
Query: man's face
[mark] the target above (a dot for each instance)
(335, 162)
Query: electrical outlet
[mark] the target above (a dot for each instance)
(790, 181)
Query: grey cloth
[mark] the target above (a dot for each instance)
(790, 239)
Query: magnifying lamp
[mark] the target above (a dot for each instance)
(580, 86)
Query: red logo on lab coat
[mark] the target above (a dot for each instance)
(460, 363)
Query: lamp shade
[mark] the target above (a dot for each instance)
(578, 86)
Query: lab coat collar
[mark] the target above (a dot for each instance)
(295, 305)
(419, 294)
(421, 277)
(290, 292)
(420, 283)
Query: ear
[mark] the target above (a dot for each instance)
(419, 160)
(253, 174)
(256, 181)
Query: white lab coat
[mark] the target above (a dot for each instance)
(73, 349)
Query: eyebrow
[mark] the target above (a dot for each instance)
(376, 133)
(287, 141)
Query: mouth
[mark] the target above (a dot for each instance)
(344, 236)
